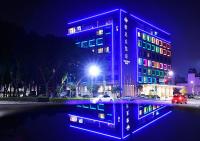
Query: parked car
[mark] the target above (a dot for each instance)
(190, 96)
(102, 98)
(179, 99)
(63, 94)
(196, 97)
(143, 96)
(127, 98)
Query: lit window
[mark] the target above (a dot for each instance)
(162, 73)
(148, 54)
(158, 65)
(100, 50)
(144, 71)
(168, 53)
(149, 63)
(145, 62)
(153, 47)
(164, 44)
(161, 51)
(100, 32)
(107, 49)
(165, 66)
(126, 34)
(145, 79)
(73, 118)
(164, 52)
(139, 34)
(140, 61)
(126, 56)
(101, 116)
(140, 79)
(149, 80)
(157, 72)
(99, 41)
(160, 43)
(84, 44)
(125, 27)
(126, 41)
(153, 64)
(92, 43)
(144, 36)
(144, 44)
(71, 30)
(126, 48)
(79, 28)
(153, 72)
(161, 65)
(168, 46)
(153, 40)
(157, 41)
(148, 46)
(149, 71)
(126, 19)
(157, 49)
(169, 67)
(148, 38)
(154, 80)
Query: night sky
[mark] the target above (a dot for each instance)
(180, 18)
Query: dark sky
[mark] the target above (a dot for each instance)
(181, 18)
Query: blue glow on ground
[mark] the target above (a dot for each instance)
(95, 132)
(151, 122)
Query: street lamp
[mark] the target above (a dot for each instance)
(192, 82)
(94, 71)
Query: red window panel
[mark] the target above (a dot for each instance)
(161, 65)
(145, 62)
(165, 66)
(164, 52)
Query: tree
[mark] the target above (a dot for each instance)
(116, 90)
(93, 89)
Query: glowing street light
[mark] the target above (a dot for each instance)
(192, 82)
(171, 73)
(94, 70)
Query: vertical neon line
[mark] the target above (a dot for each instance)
(120, 40)
(113, 55)
(137, 51)
(122, 110)
(114, 113)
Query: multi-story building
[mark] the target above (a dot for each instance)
(132, 52)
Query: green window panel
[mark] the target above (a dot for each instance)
(139, 43)
(153, 47)
(148, 38)
(144, 44)
(148, 46)
(149, 72)
(144, 36)
(157, 73)
(157, 49)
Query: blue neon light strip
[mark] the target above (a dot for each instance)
(151, 122)
(91, 119)
(126, 136)
(120, 40)
(93, 16)
(113, 78)
(149, 24)
(153, 35)
(150, 112)
(95, 132)
(122, 120)
(89, 29)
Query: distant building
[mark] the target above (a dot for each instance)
(193, 82)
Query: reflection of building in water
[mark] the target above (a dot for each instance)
(115, 120)
(131, 51)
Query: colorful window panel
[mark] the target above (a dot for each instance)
(149, 63)
(153, 72)
(145, 79)
(139, 43)
(153, 64)
(161, 65)
(168, 53)
(140, 61)
(153, 48)
(157, 49)
(157, 73)
(153, 40)
(149, 80)
(140, 80)
(164, 44)
(157, 41)
(165, 66)
(164, 52)
(145, 71)
(148, 38)
(144, 44)
(148, 46)
(168, 46)
(149, 71)
(145, 63)
(144, 36)
(161, 51)
(160, 43)
(139, 34)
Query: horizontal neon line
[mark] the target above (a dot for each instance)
(89, 29)
(152, 35)
(91, 119)
(151, 122)
(95, 132)
(151, 112)
(149, 24)
(93, 16)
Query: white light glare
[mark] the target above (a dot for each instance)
(94, 71)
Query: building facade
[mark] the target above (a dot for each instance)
(193, 83)
(131, 51)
